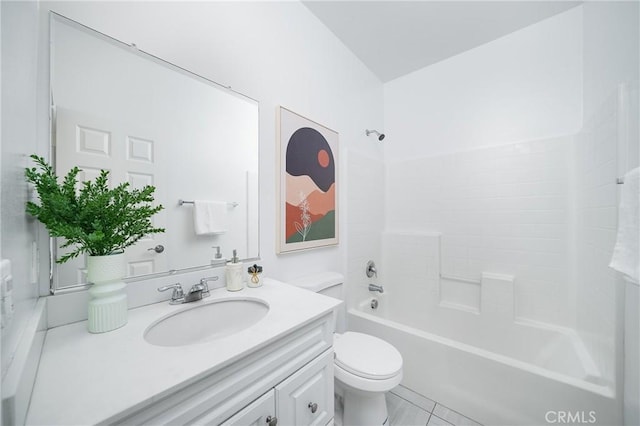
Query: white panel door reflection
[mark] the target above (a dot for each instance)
(129, 151)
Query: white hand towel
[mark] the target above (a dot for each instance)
(209, 217)
(626, 253)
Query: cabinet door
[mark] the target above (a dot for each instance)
(306, 397)
(256, 413)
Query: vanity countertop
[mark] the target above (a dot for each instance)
(88, 378)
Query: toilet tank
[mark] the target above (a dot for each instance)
(328, 284)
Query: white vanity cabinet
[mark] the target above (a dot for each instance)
(304, 398)
(290, 380)
(281, 366)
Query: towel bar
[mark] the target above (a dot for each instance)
(181, 202)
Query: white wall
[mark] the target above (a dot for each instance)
(610, 49)
(19, 139)
(525, 85)
(477, 152)
(277, 53)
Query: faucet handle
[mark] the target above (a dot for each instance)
(178, 292)
(176, 287)
(205, 286)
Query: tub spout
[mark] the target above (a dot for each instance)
(375, 287)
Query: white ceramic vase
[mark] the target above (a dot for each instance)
(108, 297)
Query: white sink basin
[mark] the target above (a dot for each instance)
(204, 322)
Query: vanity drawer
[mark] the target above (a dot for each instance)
(255, 413)
(306, 397)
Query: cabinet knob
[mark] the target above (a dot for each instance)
(313, 407)
(272, 421)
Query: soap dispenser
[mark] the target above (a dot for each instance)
(234, 274)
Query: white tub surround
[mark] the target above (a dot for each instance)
(490, 375)
(118, 377)
(483, 356)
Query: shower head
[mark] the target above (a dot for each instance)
(380, 135)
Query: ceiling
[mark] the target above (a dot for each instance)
(394, 38)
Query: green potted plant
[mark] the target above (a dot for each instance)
(100, 222)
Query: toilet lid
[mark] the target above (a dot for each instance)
(366, 356)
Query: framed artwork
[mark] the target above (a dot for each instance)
(308, 183)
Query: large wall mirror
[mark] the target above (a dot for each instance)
(152, 123)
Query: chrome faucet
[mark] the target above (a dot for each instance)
(375, 287)
(196, 292)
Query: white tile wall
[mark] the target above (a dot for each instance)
(543, 211)
(595, 230)
(501, 209)
(366, 177)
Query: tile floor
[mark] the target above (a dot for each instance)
(407, 408)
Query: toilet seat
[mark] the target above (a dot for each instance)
(360, 384)
(366, 356)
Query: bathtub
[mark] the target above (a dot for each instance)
(524, 373)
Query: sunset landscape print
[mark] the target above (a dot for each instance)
(310, 182)
(309, 193)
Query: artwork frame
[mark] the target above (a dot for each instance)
(308, 183)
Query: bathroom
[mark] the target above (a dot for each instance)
(498, 172)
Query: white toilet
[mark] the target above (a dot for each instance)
(365, 367)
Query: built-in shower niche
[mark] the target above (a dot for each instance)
(460, 294)
(413, 261)
(490, 296)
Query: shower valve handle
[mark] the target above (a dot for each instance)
(371, 269)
